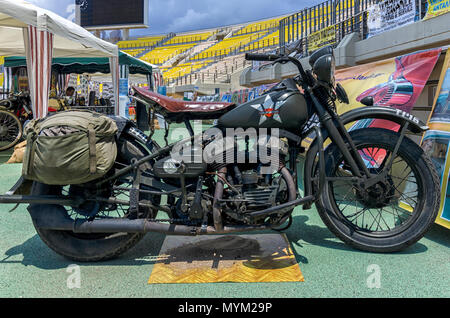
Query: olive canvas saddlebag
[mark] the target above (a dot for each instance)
(70, 147)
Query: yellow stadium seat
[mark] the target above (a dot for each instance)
(133, 52)
(183, 69)
(179, 39)
(229, 45)
(140, 42)
(161, 54)
(259, 26)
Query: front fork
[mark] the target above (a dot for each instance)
(341, 137)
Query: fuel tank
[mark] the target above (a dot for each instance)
(286, 109)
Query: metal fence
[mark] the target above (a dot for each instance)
(345, 16)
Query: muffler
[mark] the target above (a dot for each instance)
(53, 217)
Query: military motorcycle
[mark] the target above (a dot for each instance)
(374, 188)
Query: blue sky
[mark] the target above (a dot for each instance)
(185, 15)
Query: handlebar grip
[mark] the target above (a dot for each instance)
(260, 57)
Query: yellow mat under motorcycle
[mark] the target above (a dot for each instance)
(226, 258)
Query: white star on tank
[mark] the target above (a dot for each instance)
(269, 109)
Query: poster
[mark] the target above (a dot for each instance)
(319, 39)
(436, 8)
(395, 82)
(390, 14)
(123, 87)
(436, 141)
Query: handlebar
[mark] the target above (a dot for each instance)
(281, 59)
(261, 57)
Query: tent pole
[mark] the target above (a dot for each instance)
(114, 67)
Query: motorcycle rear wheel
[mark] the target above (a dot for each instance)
(391, 215)
(97, 246)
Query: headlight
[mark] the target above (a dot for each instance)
(324, 68)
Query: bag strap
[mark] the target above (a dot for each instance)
(92, 149)
(28, 157)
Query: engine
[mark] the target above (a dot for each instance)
(247, 188)
(251, 191)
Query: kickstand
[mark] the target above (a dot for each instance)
(15, 207)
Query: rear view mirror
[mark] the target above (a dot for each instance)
(342, 94)
(368, 101)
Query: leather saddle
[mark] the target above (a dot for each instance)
(179, 110)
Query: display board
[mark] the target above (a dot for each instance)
(436, 8)
(319, 39)
(390, 14)
(436, 141)
(113, 13)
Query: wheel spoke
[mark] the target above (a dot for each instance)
(377, 211)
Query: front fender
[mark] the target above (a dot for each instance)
(415, 125)
(388, 113)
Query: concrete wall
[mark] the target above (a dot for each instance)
(202, 89)
(207, 88)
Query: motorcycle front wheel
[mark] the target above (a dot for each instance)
(390, 215)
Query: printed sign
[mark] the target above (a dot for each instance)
(390, 14)
(436, 141)
(321, 38)
(123, 87)
(395, 82)
(436, 8)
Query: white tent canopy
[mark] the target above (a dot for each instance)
(40, 35)
(70, 40)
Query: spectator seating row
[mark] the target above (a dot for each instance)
(183, 69)
(190, 38)
(161, 54)
(229, 45)
(140, 42)
(133, 52)
(259, 26)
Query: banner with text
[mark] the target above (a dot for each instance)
(436, 8)
(319, 39)
(390, 14)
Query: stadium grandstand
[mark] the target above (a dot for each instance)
(213, 55)
(214, 52)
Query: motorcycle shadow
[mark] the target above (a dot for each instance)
(302, 234)
(216, 251)
(267, 251)
(146, 252)
(36, 253)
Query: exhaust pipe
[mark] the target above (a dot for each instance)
(53, 217)
(218, 193)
